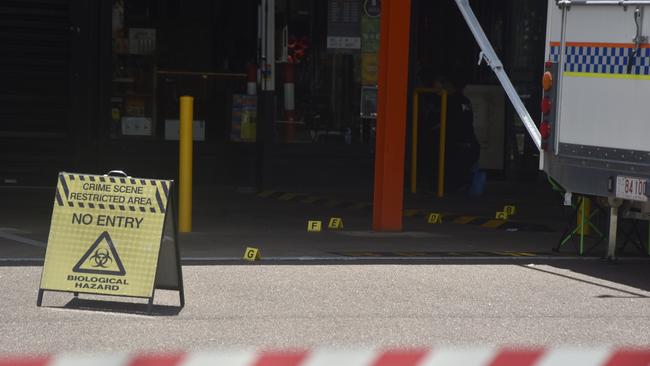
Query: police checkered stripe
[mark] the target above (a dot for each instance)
(481, 356)
(602, 60)
(159, 206)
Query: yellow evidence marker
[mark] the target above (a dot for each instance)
(501, 215)
(314, 226)
(336, 223)
(252, 254)
(510, 210)
(434, 218)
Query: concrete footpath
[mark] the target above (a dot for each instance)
(563, 303)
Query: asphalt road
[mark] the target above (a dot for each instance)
(581, 302)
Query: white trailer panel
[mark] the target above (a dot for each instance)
(603, 103)
(594, 113)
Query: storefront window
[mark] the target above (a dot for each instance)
(133, 104)
(164, 49)
(326, 64)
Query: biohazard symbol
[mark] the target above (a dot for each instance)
(101, 260)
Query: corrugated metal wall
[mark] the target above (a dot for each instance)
(35, 79)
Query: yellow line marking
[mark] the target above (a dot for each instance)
(287, 196)
(493, 223)
(332, 203)
(358, 206)
(411, 212)
(523, 254)
(265, 194)
(472, 254)
(507, 254)
(411, 254)
(364, 254)
(310, 199)
(595, 75)
(464, 220)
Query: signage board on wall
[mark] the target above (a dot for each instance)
(369, 49)
(344, 25)
(372, 8)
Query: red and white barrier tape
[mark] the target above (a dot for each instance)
(367, 357)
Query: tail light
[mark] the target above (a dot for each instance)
(548, 104)
(547, 81)
(545, 130)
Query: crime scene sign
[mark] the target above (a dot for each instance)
(112, 236)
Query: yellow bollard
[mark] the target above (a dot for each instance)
(443, 140)
(185, 140)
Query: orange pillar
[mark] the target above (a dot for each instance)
(391, 115)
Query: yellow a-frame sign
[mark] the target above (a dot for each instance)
(112, 235)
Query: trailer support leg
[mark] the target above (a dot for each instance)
(613, 228)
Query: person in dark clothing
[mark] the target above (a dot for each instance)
(462, 147)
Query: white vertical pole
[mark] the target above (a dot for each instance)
(613, 227)
(268, 44)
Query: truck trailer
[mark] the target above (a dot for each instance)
(595, 125)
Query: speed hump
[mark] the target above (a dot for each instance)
(112, 235)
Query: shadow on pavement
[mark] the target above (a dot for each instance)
(634, 274)
(627, 272)
(639, 282)
(98, 305)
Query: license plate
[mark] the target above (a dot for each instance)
(631, 188)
